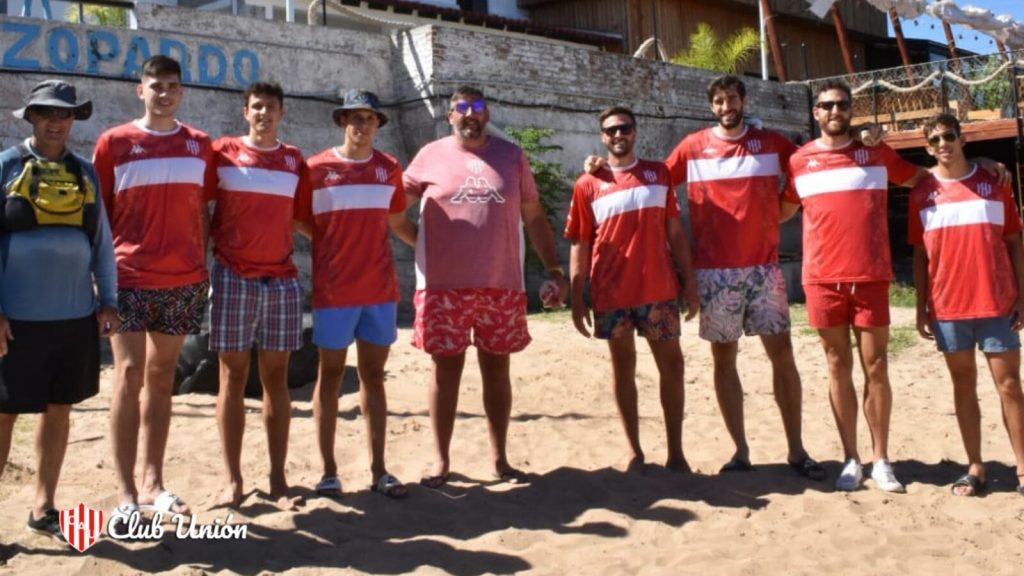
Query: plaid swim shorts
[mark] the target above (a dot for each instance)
(264, 310)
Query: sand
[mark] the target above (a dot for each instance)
(581, 514)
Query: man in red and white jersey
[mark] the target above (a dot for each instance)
(476, 195)
(843, 187)
(969, 273)
(256, 296)
(350, 196)
(732, 172)
(151, 173)
(626, 234)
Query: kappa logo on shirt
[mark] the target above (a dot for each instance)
(290, 162)
(137, 149)
(382, 174)
(477, 191)
(985, 190)
(860, 156)
(244, 158)
(604, 186)
(710, 151)
(651, 176)
(812, 164)
(332, 176)
(476, 165)
(193, 146)
(933, 196)
(755, 146)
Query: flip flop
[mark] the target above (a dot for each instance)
(737, 464)
(329, 486)
(165, 502)
(1020, 486)
(434, 481)
(809, 469)
(389, 486)
(968, 481)
(513, 476)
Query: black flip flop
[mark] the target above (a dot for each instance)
(970, 481)
(809, 469)
(737, 464)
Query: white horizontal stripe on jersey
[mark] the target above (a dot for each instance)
(352, 197)
(963, 214)
(842, 180)
(257, 180)
(159, 172)
(748, 166)
(629, 200)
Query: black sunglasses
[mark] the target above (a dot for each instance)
(463, 107)
(53, 112)
(624, 129)
(947, 136)
(842, 105)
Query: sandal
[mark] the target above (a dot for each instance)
(973, 483)
(388, 485)
(329, 486)
(809, 469)
(737, 464)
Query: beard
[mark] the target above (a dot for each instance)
(470, 129)
(620, 149)
(836, 126)
(730, 121)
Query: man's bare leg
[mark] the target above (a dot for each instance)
(669, 358)
(373, 402)
(497, 384)
(1005, 367)
(277, 414)
(963, 371)
(623, 354)
(6, 435)
(729, 391)
(443, 400)
(842, 395)
(162, 352)
(129, 350)
(788, 391)
(234, 374)
(325, 404)
(51, 445)
(873, 344)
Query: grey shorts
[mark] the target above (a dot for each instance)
(737, 301)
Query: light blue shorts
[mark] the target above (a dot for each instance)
(337, 328)
(987, 334)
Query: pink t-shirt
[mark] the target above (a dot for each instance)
(470, 229)
(962, 225)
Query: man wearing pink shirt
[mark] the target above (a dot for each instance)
(476, 194)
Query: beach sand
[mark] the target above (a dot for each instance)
(580, 514)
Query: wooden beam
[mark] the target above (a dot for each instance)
(897, 29)
(844, 44)
(773, 39)
(972, 131)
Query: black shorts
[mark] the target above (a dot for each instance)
(56, 362)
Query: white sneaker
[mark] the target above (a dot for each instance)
(885, 478)
(851, 476)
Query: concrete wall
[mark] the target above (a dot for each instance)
(529, 83)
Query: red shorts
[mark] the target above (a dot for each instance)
(444, 319)
(862, 304)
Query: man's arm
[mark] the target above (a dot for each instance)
(403, 228)
(579, 271)
(913, 180)
(787, 210)
(924, 313)
(1015, 247)
(543, 240)
(304, 228)
(680, 248)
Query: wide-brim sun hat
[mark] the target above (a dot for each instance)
(55, 94)
(356, 99)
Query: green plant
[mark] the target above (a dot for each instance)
(708, 52)
(995, 93)
(98, 15)
(902, 295)
(553, 184)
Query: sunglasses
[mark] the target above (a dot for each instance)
(842, 105)
(463, 107)
(947, 136)
(53, 112)
(624, 129)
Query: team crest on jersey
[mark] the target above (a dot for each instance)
(812, 164)
(244, 158)
(290, 162)
(193, 146)
(754, 146)
(137, 149)
(477, 190)
(985, 190)
(476, 165)
(651, 176)
(860, 156)
(332, 176)
(382, 174)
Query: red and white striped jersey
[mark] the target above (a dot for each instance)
(622, 214)
(255, 192)
(348, 203)
(962, 224)
(844, 193)
(152, 186)
(733, 192)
